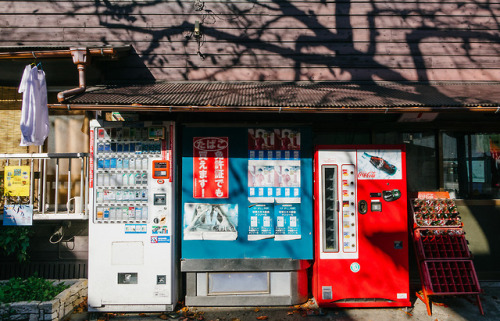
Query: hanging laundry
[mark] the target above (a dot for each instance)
(35, 113)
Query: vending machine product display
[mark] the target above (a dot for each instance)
(247, 231)
(361, 228)
(132, 258)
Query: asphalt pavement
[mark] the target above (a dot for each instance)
(444, 308)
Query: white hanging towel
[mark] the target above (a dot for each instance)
(35, 113)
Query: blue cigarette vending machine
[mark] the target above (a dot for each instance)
(246, 215)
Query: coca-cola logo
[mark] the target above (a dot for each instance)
(210, 144)
(366, 174)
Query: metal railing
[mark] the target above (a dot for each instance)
(45, 204)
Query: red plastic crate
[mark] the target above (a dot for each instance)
(450, 277)
(434, 222)
(441, 244)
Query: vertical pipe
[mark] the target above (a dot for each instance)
(39, 192)
(32, 180)
(56, 196)
(469, 155)
(440, 160)
(5, 196)
(69, 185)
(44, 184)
(82, 177)
(463, 173)
(84, 205)
(19, 163)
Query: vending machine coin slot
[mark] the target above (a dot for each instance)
(362, 207)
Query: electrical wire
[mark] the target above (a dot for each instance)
(60, 232)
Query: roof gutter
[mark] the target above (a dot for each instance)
(332, 110)
(57, 53)
(81, 58)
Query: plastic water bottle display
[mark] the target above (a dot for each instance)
(381, 164)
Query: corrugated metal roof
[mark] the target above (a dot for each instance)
(55, 47)
(296, 94)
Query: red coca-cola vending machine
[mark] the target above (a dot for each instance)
(361, 229)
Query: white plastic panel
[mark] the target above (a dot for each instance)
(127, 253)
(349, 217)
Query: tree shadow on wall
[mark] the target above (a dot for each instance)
(294, 41)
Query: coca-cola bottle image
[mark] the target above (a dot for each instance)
(381, 164)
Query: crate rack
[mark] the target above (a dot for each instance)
(444, 260)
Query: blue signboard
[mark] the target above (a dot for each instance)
(247, 193)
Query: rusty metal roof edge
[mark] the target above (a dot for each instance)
(289, 109)
(393, 101)
(266, 82)
(25, 52)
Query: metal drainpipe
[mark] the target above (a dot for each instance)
(81, 58)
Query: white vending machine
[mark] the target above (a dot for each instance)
(132, 256)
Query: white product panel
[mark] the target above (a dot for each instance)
(349, 217)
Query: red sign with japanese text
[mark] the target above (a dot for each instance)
(91, 159)
(210, 167)
(433, 195)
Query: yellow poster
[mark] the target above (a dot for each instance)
(17, 181)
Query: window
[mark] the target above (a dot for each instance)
(421, 158)
(471, 165)
(238, 283)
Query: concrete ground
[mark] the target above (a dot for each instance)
(445, 308)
